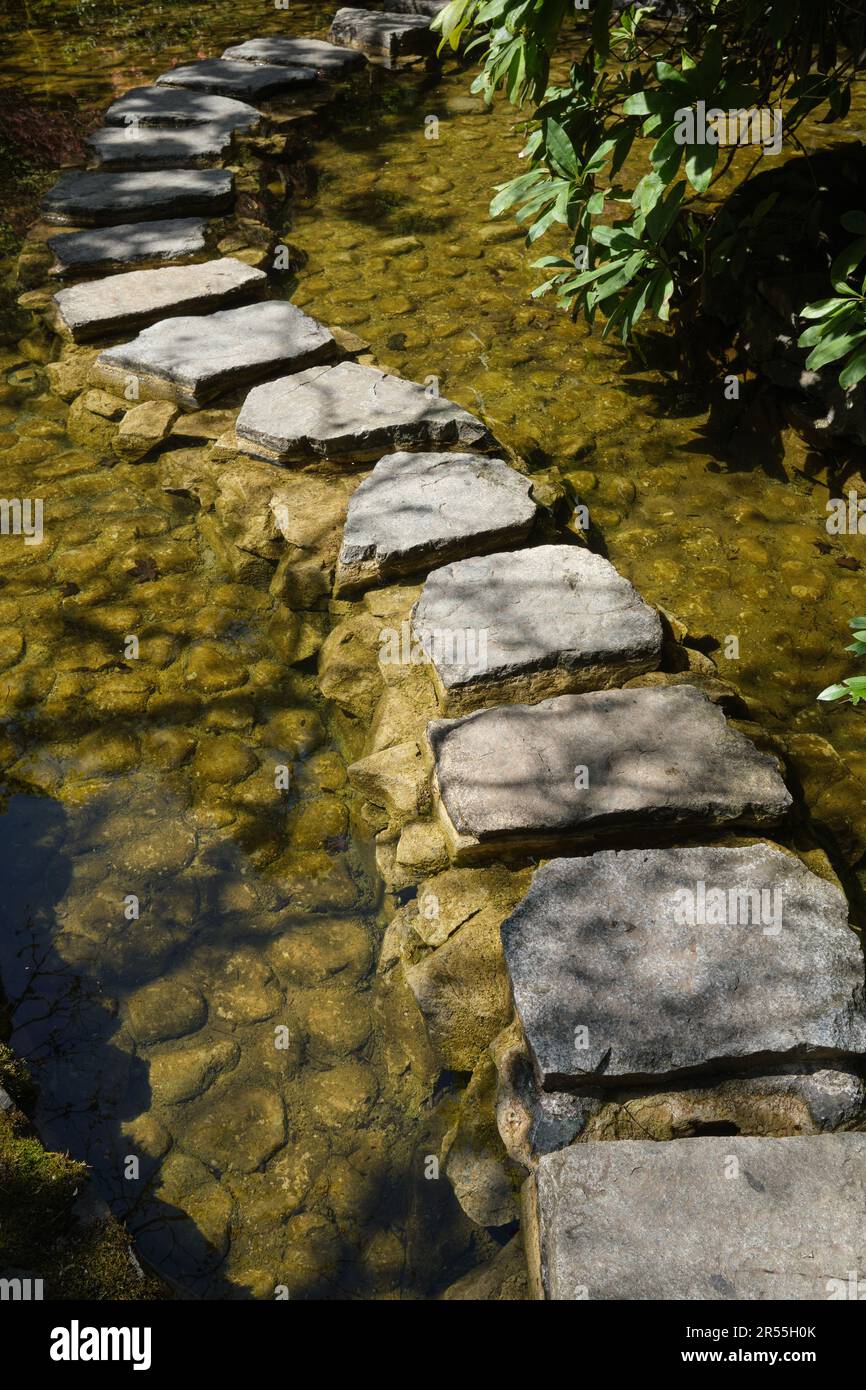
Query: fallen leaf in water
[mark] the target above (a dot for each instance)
(144, 569)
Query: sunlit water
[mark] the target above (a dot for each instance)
(191, 957)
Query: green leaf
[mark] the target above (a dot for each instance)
(847, 262)
(854, 370)
(560, 150)
(857, 623)
(855, 222)
(833, 692)
(821, 308)
(700, 163)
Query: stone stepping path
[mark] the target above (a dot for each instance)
(555, 618)
(350, 411)
(133, 243)
(655, 759)
(138, 147)
(638, 1220)
(94, 199)
(168, 106)
(222, 78)
(415, 510)
(643, 966)
(123, 303)
(325, 59)
(191, 360)
(385, 35)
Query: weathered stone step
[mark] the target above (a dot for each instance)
(415, 510)
(536, 776)
(95, 199)
(548, 620)
(132, 243)
(715, 1218)
(139, 147)
(350, 411)
(383, 35)
(325, 59)
(254, 80)
(646, 965)
(170, 106)
(191, 360)
(120, 303)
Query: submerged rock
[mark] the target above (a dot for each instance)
(643, 964)
(715, 1218)
(417, 510)
(528, 776)
(527, 624)
(350, 411)
(127, 302)
(90, 198)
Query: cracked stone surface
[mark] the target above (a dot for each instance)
(709, 1219)
(92, 198)
(129, 301)
(415, 510)
(385, 35)
(326, 59)
(132, 243)
(192, 359)
(551, 619)
(350, 411)
(654, 759)
(168, 106)
(643, 965)
(138, 147)
(221, 77)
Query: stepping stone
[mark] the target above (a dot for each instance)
(548, 620)
(385, 35)
(131, 243)
(716, 1218)
(649, 759)
(353, 411)
(646, 965)
(94, 199)
(120, 303)
(138, 147)
(191, 360)
(430, 8)
(224, 78)
(325, 59)
(415, 510)
(166, 106)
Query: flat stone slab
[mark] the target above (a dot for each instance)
(325, 59)
(416, 510)
(94, 199)
(646, 965)
(224, 78)
(191, 360)
(136, 146)
(385, 35)
(575, 766)
(543, 621)
(131, 243)
(169, 106)
(349, 410)
(709, 1219)
(119, 303)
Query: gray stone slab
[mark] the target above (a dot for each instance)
(122, 303)
(191, 360)
(326, 59)
(544, 621)
(351, 411)
(95, 199)
(254, 80)
(387, 35)
(708, 1219)
(616, 761)
(416, 510)
(136, 146)
(130, 244)
(172, 106)
(640, 966)
(430, 8)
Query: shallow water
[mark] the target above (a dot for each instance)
(230, 1033)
